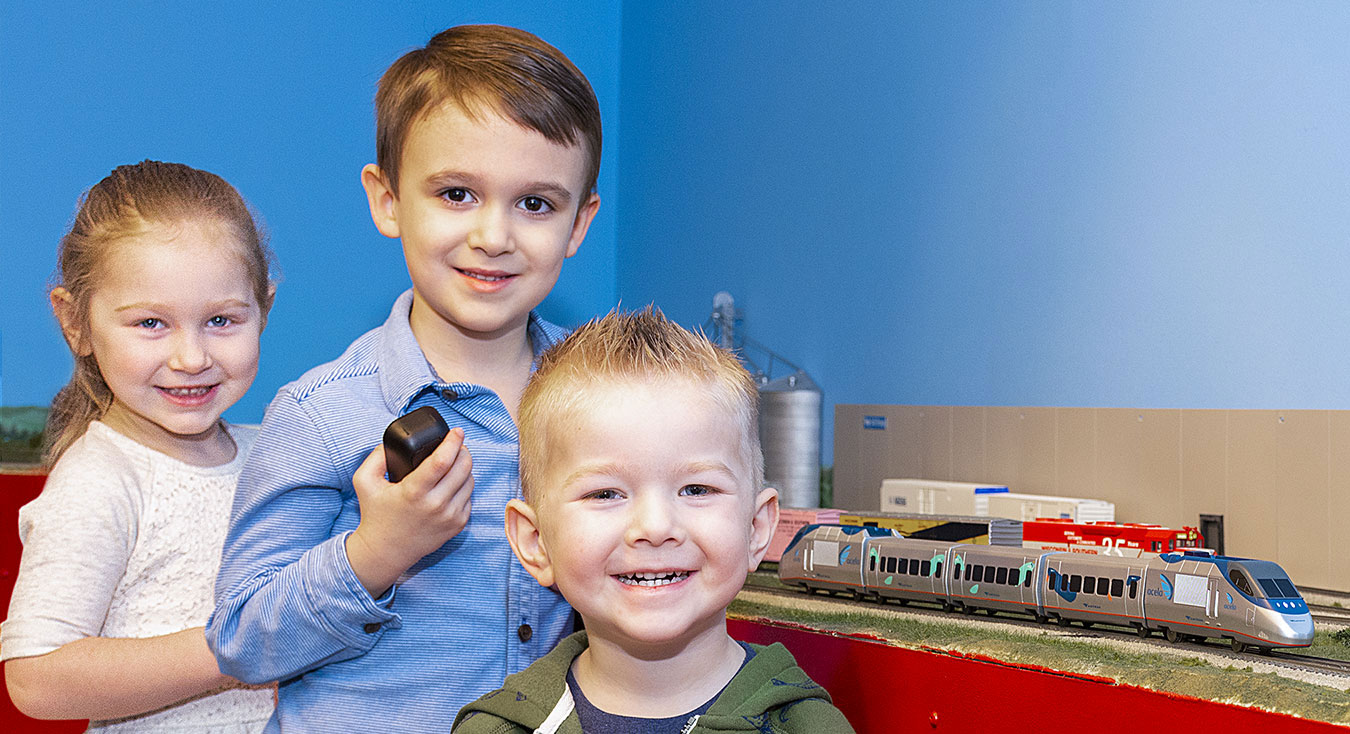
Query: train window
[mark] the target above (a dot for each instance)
(1157, 546)
(925, 568)
(1278, 588)
(976, 573)
(1117, 588)
(1089, 584)
(1063, 582)
(937, 569)
(1002, 577)
(1103, 584)
(1050, 580)
(1027, 583)
(1075, 583)
(1134, 587)
(872, 564)
(956, 570)
(890, 565)
(989, 574)
(1240, 581)
(913, 567)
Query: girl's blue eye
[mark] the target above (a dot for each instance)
(696, 490)
(603, 494)
(535, 205)
(219, 321)
(150, 323)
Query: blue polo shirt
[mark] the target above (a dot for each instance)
(289, 608)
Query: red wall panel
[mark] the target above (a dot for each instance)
(895, 690)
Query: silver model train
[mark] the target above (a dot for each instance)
(1183, 595)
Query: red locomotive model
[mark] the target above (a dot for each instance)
(1129, 539)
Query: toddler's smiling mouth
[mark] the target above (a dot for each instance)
(652, 579)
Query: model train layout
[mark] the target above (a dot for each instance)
(1192, 594)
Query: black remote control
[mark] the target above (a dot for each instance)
(410, 439)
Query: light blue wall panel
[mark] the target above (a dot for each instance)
(1044, 203)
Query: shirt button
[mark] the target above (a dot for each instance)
(449, 394)
(524, 632)
(371, 627)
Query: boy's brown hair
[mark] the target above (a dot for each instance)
(487, 68)
(639, 346)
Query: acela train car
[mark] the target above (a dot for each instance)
(1190, 595)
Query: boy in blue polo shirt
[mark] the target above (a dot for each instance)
(386, 607)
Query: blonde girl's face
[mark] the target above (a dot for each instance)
(174, 326)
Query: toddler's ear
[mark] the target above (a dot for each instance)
(381, 198)
(522, 530)
(63, 305)
(762, 524)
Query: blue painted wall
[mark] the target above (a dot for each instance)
(277, 98)
(1080, 204)
(1037, 203)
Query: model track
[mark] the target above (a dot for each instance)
(766, 582)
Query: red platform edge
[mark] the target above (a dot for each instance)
(884, 688)
(881, 688)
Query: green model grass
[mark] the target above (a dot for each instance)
(21, 434)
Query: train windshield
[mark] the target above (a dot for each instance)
(1274, 582)
(1278, 588)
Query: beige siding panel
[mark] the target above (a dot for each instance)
(1338, 502)
(1003, 447)
(935, 437)
(968, 445)
(1021, 448)
(1076, 452)
(854, 453)
(1204, 464)
(907, 441)
(1251, 523)
(1160, 467)
(1301, 496)
(1036, 467)
(1120, 454)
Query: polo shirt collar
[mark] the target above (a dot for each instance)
(405, 372)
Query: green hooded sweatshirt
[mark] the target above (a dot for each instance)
(770, 695)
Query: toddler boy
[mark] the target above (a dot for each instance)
(642, 474)
(386, 607)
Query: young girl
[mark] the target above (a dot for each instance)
(162, 292)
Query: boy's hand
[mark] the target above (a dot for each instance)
(401, 523)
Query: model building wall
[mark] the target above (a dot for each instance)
(1280, 479)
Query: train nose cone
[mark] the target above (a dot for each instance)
(1298, 629)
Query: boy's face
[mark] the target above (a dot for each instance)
(487, 211)
(646, 518)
